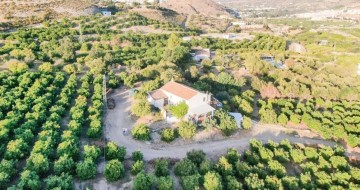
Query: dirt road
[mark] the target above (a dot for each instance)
(119, 118)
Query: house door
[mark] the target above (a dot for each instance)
(166, 101)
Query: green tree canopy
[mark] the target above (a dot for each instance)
(179, 110)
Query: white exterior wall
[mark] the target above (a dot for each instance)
(106, 13)
(199, 99)
(156, 103)
(173, 100)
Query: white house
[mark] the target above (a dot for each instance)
(172, 93)
(200, 54)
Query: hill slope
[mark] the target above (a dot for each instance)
(188, 7)
(290, 6)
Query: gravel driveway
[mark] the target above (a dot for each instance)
(119, 118)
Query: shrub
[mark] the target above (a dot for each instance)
(233, 155)
(290, 182)
(187, 130)
(246, 123)
(64, 164)
(205, 166)
(253, 182)
(311, 153)
(179, 110)
(143, 181)
(231, 183)
(283, 119)
(190, 182)
(297, 155)
(226, 122)
(137, 156)
(339, 163)
(223, 167)
(294, 118)
(141, 132)
(212, 181)
(168, 135)
(161, 167)
(141, 108)
(273, 183)
(242, 169)
(165, 183)
(137, 167)
(114, 170)
(196, 156)
(63, 181)
(184, 168)
(112, 151)
(91, 152)
(86, 169)
(276, 168)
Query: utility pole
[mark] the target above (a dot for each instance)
(105, 124)
(81, 34)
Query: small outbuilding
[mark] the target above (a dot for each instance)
(238, 118)
(200, 54)
(106, 13)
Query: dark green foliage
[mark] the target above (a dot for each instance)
(137, 167)
(185, 168)
(223, 167)
(141, 108)
(64, 181)
(141, 132)
(112, 151)
(290, 182)
(29, 180)
(91, 152)
(226, 123)
(114, 170)
(179, 110)
(137, 156)
(168, 135)
(205, 166)
(273, 183)
(64, 164)
(186, 129)
(212, 181)
(86, 170)
(231, 183)
(165, 183)
(233, 156)
(253, 182)
(246, 123)
(190, 182)
(161, 167)
(196, 156)
(143, 181)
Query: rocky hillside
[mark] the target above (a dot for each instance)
(189, 7)
(12, 10)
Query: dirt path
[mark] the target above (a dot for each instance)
(118, 118)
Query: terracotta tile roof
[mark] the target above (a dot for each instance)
(157, 94)
(179, 90)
